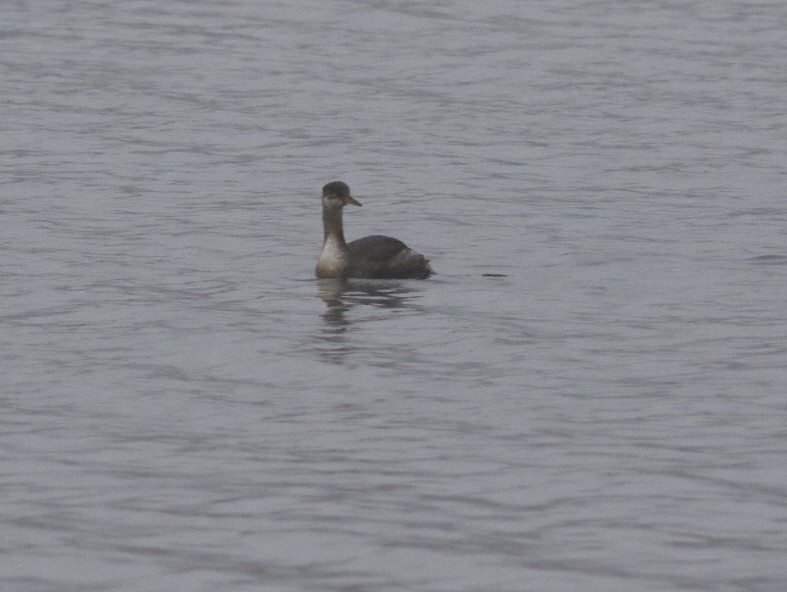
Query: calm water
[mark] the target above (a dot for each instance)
(185, 408)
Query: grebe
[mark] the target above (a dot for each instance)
(373, 256)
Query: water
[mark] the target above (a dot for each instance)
(184, 407)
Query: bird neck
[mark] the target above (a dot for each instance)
(332, 225)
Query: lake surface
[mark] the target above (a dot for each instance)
(185, 408)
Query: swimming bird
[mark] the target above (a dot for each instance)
(374, 256)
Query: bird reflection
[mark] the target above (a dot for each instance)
(332, 293)
(341, 295)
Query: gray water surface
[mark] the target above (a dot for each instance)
(185, 408)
